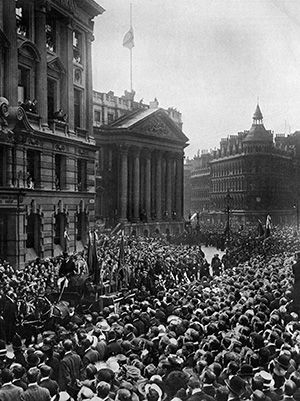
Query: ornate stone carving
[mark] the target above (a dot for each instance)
(157, 128)
(67, 4)
(34, 141)
(82, 151)
(60, 147)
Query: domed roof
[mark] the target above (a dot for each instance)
(257, 132)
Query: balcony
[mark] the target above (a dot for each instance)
(58, 126)
(81, 133)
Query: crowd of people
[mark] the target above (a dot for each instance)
(186, 334)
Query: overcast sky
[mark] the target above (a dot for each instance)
(210, 59)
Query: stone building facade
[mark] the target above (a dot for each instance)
(139, 178)
(47, 147)
(251, 172)
(107, 107)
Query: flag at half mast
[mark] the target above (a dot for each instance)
(128, 40)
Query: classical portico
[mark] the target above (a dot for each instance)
(141, 169)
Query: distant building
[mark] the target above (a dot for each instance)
(139, 179)
(141, 145)
(108, 107)
(257, 173)
(47, 149)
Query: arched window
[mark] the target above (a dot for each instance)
(28, 57)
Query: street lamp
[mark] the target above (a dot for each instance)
(228, 199)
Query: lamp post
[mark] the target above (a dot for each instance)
(228, 199)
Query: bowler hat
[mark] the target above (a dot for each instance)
(246, 370)
(236, 385)
(283, 361)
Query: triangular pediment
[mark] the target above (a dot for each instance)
(158, 125)
(55, 64)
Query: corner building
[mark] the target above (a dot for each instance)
(258, 173)
(47, 149)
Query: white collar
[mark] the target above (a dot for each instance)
(7, 384)
(44, 378)
(32, 384)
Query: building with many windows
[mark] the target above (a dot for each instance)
(252, 172)
(47, 149)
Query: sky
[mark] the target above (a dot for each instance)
(210, 59)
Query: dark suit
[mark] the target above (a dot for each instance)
(90, 356)
(20, 383)
(51, 385)
(209, 389)
(35, 393)
(113, 348)
(10, 392)
(69, 371)
(200, 396)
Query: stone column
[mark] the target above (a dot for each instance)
(124, 184)
(67, 97)
(136, 185)
(11, 59)
(179, 186)
(148, 186)
(89, 85)
(158, 186)
(169, 187)
(41, 66)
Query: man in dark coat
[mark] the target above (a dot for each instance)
(69, 370)
(9, 391)
(10, 316)
(46, 382)
(296, 290)
(34, 392)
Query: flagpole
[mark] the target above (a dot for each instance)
(131, 49)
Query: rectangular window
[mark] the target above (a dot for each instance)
(97, 117)
(22, 18)
(77, 108)
(33, 169)
(60, 172)
(23, 84)
(77, 47)
(50, 28)
(110, 118)
(82, 175)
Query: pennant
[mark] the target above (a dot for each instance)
(128, 40)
